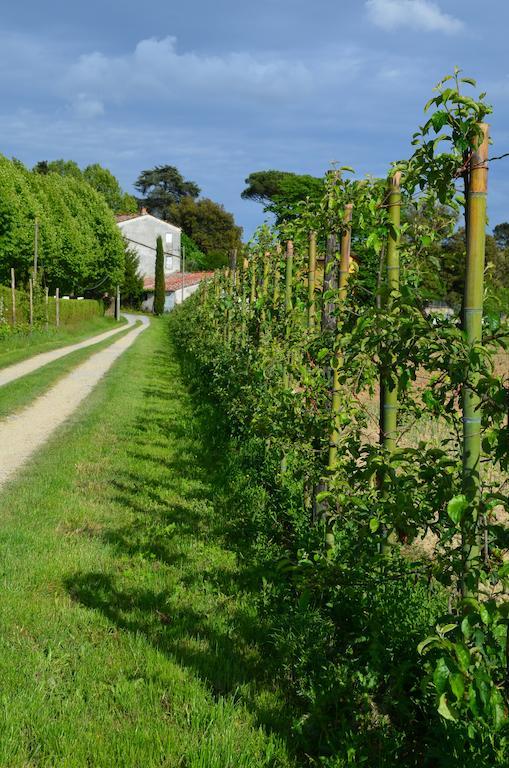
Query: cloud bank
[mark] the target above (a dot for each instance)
(416, 14)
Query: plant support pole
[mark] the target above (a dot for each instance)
(388, 393)
(472, 317)
(13, 294)
(311, 280)
(344, 273)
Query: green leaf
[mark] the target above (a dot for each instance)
(456, 507)
(457, 683)
(445, 710)
(374, 525)
(463, 655)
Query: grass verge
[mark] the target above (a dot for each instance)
(128, 636)
(17, 347)
(24, 390)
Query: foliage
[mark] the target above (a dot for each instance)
(281, 191)
(163, 185)
(347, 614)
(208, 224)
(160, 285)
(196, 260)
(103, 181)
(80, 247)
(131, 289)
(99, 178)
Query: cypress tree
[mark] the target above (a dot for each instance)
(159, 288)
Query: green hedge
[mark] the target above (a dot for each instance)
(72, 311)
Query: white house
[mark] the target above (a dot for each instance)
(178, 288)
(141, 231)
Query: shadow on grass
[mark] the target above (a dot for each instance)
(172, 487)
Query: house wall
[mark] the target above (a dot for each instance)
(172, 298)
(144, 231)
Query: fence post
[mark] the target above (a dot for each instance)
(31, 302)
(13, 295)
(36, 246)
(389, 393)
(46, 305)
(117, 304)
(57, 307)
(311, 279)
(277, 278)
(472, 318)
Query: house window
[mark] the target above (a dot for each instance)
(169, 262)
(169, 241)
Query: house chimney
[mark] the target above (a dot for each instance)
(143, 211)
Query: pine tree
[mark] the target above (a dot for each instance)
(159, 288)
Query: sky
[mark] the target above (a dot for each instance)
(221, 89)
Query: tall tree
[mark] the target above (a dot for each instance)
(132, 287)
(159, 287)
(501, 235)
(103, 181)
(281, 191)
(163, 185)
(208, 224)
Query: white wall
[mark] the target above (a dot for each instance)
(144, 231)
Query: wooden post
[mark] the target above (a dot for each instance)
(252, 297)
(472, 318)
(31, 302)
(277, 278)
(344, 264)
(57, 307)
(36, 246)
(311, 279)
(389, 394)
(117, 304)
(13, 295)
(46, 306)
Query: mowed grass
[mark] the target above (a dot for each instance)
(128, 635)
(17, 347)
(24, 390)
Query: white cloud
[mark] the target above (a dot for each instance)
(417, 14)
(156, 69)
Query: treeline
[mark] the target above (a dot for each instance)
(80, 249)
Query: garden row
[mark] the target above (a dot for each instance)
(381, 540)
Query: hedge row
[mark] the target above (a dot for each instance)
(80, 248)
(72, 311)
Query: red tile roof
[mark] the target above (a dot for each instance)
(174, 281)
(126, 216)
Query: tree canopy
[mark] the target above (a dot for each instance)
(162, 186)
(210, 226)
(99, 178)
(81, 249)
(281, 191)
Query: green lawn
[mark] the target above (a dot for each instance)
(127, 632)
(22, 391)
(17, 347)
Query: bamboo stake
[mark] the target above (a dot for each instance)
(288, 278)
(13, 295)
(329, 321)
(388, 394)
(265, 281)
(472, 317)
(252, 298)
(311, 280)
(344, 274)
(277, 278)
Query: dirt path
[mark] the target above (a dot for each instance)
(24, 432)
(16, 371)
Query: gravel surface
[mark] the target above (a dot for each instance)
(13, 372)
(24, 432)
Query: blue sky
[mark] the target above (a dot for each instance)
(226, 88)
